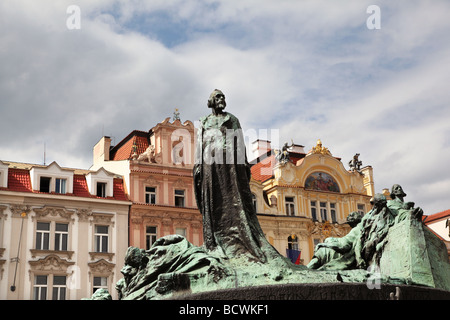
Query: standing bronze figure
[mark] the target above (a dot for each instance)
(222, 191)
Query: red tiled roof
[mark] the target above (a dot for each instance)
(80, 187)
(124, 150)
(437, 216)
(119, 191)
(19, 180)
(262, 170)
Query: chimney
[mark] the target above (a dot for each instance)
(260, 147)
(101, 150)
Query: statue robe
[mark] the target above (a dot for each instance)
(222, 191)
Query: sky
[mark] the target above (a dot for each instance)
(319, 69)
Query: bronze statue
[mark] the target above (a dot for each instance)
(355, 164)
(222, 191)
(400, 208)
(362, 246)
(283, 154)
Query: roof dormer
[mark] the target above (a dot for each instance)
(51, 179)
(3, 175)
(100, 183)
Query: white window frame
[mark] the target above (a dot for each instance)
(333, 212)
(293, 244)
(60, 185)
(150, 195)
(55, 239)
(99, 239)
(313, 205)
(323, 210)
(150, 237)
(61, 237)
(361, 208)
(103, 191)
(38, 288)
(40, 243)
(58, 289)
(179, 196)
(103, 284)
(290, 206)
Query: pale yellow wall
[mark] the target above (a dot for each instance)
(81, 238)
(289, 180)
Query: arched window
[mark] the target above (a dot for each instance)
(293, 242)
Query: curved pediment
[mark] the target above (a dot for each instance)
(52, 262)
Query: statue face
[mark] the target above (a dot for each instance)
(219, 101)
(398, 190)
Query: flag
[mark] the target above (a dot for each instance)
(293, 255)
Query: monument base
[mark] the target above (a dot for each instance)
(322, 291)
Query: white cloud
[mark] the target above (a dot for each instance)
(311, 69)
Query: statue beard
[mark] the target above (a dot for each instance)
(219, 107)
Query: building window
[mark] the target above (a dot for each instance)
(150, 195)
(59, 288)
(293, 242)
(44, 184)
(150, 236)
(101, 238)
(60, 185)
(100, 283)
(290, 206)
(323, 211)
(52, 232)
(361, 208)
(254, 201)
(313, 210)
(40, 288)
(61, 236)
(101, 189)
(179, 198)
(181, 231)
(333, 212)
(42, 235)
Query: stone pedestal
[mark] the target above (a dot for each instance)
(415, 254)
(322, 291)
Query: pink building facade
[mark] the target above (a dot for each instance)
(157, 169)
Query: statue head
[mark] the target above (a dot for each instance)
(378, 201)
(216, 100)
(135, 259)
(354, 218)
(397, 192)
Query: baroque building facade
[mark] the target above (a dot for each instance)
(294, 205)
(157, 167)
(304, 197)
(63, 232)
